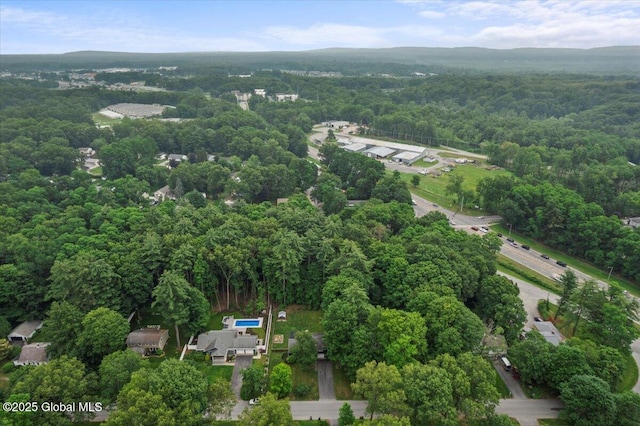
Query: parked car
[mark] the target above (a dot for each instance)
(526, 247)
(514, 244)
(499, 234)
(484, 229)
(434, 205)
(561, 263)
(537, 319)
(475, 228)
(511, 240)
(254, 401)
(544, 256)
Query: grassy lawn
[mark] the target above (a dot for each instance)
(97, 172)
(214, 372)
(511, 267)
(630, 378)
(341, 384)
(298, 319)
(434, 188)
(553, 422)
(103, 120)
(215, 322)
(573, 262)
(502, 388)
(424, 164)
(301, 375)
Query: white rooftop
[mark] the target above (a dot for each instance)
(393, 145)
(380, 151)
(407, 155)
(355, 147)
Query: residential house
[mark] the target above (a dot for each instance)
(321, 346)
(25, 331)
(33, 354)
(148, 340)
(222, 345)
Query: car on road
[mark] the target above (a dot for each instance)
(500, 234)
(475, 228)
(544, 256)
(511, 240)
(561, 263)
(254, 401)
(452, 223)
(434, 205)
(514, 244)
(537, 319)
(480, 217)
(484, 229)
(526, 247)
(414, 202)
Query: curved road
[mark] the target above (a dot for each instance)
(529, 258)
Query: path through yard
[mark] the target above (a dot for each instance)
(242, 362)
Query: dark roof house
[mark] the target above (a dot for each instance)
(222, 343)
(144, 339)
(33, 354)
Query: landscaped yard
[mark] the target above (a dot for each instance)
(301, 375)
(341, 384)
(215, 322)
(298, 319)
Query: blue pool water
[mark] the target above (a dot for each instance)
(247, 323)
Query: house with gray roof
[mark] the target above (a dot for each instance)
(147, 340)
(24, 331)
(224, 344)
(320, 345)
(33, 354)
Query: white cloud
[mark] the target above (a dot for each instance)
(327, 34)
(432, 14)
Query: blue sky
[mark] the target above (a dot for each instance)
(195, 26)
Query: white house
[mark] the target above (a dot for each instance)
(222, 344)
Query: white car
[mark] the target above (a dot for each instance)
(254, 401)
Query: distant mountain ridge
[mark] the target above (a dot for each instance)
(601, 60)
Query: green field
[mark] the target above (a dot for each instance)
(103, 120)
(341, 384)
(297, 320)
(433, 188)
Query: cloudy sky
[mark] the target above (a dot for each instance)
(188, 26)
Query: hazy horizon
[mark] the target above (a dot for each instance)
(33, 27)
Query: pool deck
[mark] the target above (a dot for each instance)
(241, 323)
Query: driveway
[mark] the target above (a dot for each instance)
(528, 411)
(325, 380)
(242, 362)
(512, 384)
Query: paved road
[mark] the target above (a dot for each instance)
(528, 411)
(325, 380)
(242, 362)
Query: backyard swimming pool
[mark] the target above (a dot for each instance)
(247, 323)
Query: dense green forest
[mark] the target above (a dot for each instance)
(406, 301)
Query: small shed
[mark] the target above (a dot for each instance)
(147, 340)
(33, 354)
(25, 331)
